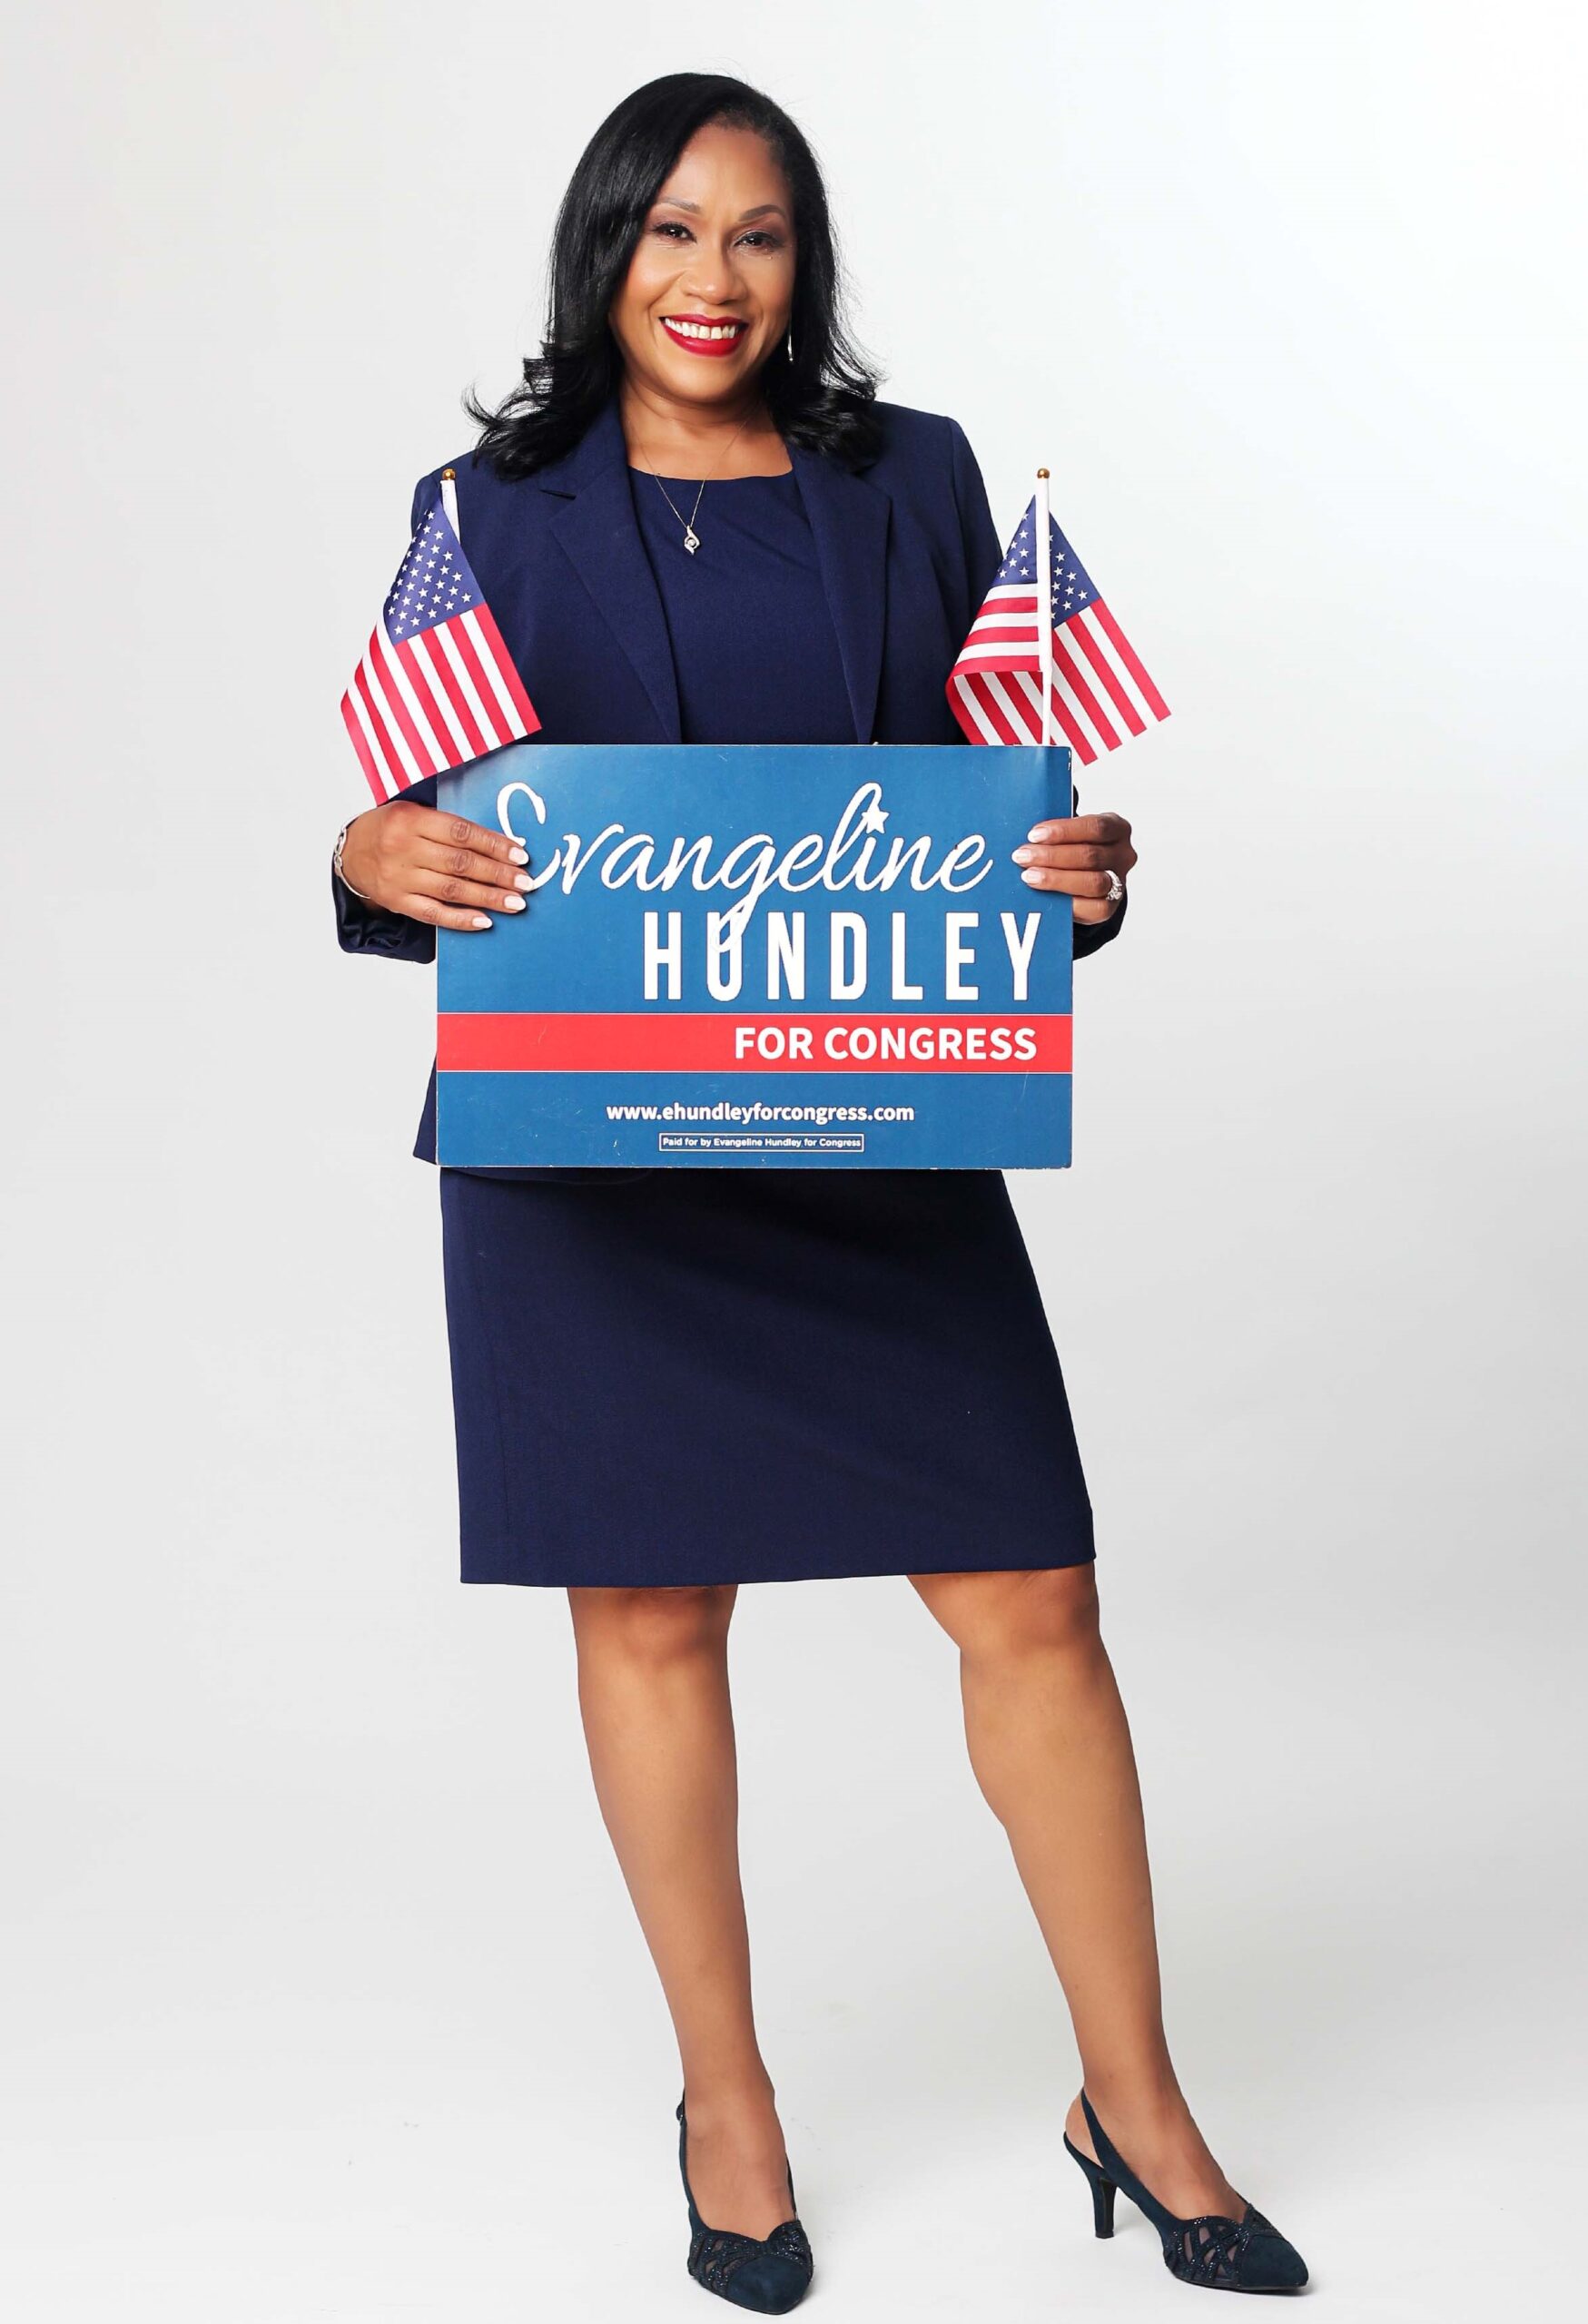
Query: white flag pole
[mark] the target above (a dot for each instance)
(1045, 604)
(449, 502)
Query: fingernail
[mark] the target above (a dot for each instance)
(521, 879)
(1034, 877)
(1022, 855)
(1040, 832)
(480, 920)
(518, 855)
(512, 903)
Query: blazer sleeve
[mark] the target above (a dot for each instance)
(983, 555)
(363, 927)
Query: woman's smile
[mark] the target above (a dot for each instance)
(705, 334)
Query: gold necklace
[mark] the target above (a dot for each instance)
(691, 537)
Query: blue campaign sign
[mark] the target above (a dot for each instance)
(756, 957)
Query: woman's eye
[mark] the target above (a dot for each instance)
(758, 238)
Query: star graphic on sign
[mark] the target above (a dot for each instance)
(874, 818)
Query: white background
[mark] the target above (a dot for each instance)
(322, 1997)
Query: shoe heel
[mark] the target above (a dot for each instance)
(1244, 2254)
(1103, 2194)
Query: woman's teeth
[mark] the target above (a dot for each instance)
(704, 330)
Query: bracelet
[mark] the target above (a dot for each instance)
(336, 865)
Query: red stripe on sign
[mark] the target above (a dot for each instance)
(588, 1042)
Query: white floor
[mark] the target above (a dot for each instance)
(375, 2039)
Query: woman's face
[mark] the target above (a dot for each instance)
(710, 286)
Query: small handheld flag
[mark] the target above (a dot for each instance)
(436, 687)
(1041, 657)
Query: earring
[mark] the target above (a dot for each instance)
(789, 346)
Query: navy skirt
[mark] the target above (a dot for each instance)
(701, 1376)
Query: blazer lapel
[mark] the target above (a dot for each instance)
(598, 531)
(849, 524)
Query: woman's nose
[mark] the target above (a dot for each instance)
(714, 278)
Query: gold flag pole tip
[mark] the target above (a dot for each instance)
(1041, 471)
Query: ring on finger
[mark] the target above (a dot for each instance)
(1115, 887)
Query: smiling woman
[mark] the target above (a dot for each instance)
(694, 257)
(741, 267)
(695, 524)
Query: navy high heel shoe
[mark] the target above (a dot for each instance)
(769, 2273)
(1247, 2254)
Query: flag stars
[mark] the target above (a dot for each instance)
(428, 589)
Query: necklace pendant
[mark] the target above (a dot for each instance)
(691, 540)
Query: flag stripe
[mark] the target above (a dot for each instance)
(472, 640)
(1127, 654)
(426, 682)
(429, 649)
(1070, 725)
(507, 670)
(1070, 681)
(400, 762)
(969, 711)
(399, 686)
(367, 759)
(386, 765)
(1119, 694)
(447, 639)
(394, 717)
(1008, 715)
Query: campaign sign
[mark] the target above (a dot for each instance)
(761, 957)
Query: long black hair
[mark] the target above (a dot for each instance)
(822, 400)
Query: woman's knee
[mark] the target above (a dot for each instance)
(656, 1625)
(1042, 1609)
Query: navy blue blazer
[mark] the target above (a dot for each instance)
(907, 549)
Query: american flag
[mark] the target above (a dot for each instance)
(436, 687)
(1099, 685)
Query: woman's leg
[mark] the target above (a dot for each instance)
(654, 1695)
(1052, 1751)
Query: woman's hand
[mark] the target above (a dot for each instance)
(431, 866)
(1074, 856)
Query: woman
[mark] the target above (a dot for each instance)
(694, 522)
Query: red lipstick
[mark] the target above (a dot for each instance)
(697, 346)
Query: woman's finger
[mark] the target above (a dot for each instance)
(439, 915)
(1065, 882)
(1088, 856)
(465, 863)
(462, 895)
(455, 831)
(1103, 830)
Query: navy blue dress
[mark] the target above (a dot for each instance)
(694, 1376)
